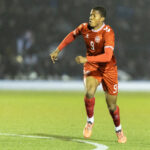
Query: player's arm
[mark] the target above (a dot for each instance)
(68, 39)
(108, 49)
(106, 57)
(102, 58)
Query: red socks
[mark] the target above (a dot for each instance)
(116, 116)
(89, 105)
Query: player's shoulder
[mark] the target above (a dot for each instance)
(83, 25)
(107, 28)
(81, 28)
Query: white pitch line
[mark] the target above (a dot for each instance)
(97, 145)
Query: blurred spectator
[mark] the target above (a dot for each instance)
(28, 29)
(25, 42)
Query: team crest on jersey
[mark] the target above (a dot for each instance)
(97, 39)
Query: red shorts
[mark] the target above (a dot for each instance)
(107, 76)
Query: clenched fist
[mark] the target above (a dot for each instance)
(80, 60)
(54, 55)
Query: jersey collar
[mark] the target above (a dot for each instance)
(99, 28)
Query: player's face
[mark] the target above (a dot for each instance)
(95, 18)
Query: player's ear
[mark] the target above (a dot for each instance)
(102, 19)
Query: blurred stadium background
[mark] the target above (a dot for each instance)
(31, 29)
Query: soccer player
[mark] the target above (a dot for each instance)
(99, 67)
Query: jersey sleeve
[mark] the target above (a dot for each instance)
(70, 37)
(102, 58)
(78, 30)
(109, 38)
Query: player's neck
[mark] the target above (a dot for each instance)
(98, 26)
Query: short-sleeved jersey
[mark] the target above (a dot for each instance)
(97, 40)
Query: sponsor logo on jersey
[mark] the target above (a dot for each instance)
(107, 29)
(87, 36)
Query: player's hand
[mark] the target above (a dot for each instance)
(81, 59)
(54, 55)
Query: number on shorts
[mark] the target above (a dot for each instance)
(92, 45)
(115, 88)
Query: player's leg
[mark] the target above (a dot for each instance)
(110, 86)
(111, 101)
(115, 114)
(91, 85)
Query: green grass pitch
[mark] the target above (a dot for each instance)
(61, 115)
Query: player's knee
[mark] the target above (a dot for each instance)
(90, 94)
(112, 107)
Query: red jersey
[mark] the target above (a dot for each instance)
(99, 43)
(96, 41)
(101, 63)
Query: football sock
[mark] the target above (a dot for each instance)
(118, 129)
(116, 119)
(90, 120)
(89, 105)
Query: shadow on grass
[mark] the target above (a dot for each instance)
(71, 138)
